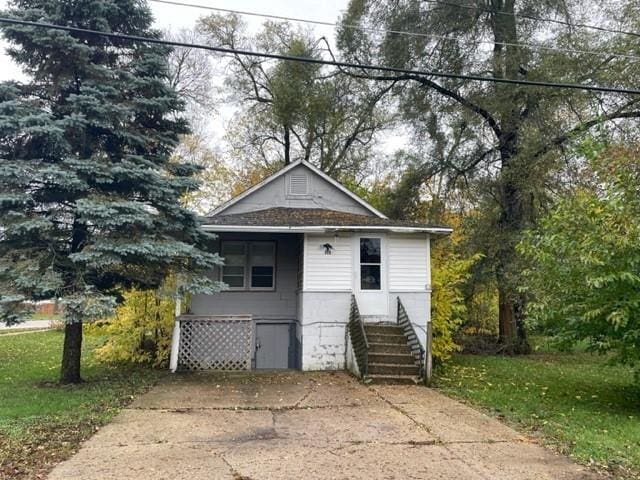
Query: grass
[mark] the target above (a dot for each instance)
(45, 316)
(42, 422)
(576, 402)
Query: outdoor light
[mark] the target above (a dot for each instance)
(327, 248)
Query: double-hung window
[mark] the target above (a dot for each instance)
(249, 265)
(235, 262)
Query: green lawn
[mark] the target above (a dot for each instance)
(574, 401)
(42, 422)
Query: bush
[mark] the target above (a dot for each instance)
(141, 329)
(448, 307)
(585, 285)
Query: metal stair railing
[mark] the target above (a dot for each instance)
(412, 337)
(358, 338)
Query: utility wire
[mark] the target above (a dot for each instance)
(408, 73)
(397, 32)
(533, 17)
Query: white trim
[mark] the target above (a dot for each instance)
(373, 303)
(324, 229)
(175, 346)
(284, 170)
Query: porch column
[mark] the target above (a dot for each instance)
(428, 361)
(175, 339)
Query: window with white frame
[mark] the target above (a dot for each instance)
(370, 264)
(249, 265)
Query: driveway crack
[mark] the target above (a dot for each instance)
(406, 414)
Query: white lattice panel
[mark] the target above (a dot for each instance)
(215, 343)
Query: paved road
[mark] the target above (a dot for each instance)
(306, 426)
(30, 325)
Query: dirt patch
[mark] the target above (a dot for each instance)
(45, 446)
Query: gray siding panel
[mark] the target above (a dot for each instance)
(321, 195)
(280, 303)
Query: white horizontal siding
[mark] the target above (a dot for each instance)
(327, 272)
(408, 262)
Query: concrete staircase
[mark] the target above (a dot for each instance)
(390, 358)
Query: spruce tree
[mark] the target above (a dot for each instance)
(89, 191)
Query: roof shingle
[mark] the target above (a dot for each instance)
(308, 217)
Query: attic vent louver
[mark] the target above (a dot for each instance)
(298, 184)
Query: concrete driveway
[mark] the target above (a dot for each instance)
(306, 426)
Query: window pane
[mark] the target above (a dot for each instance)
(369, 250)
(262, 277)
(235, 271)
(370, 277)
(262, 254)
(262, 271)
(233, 281)
(234, 260)
(234, 254)
(232, 248)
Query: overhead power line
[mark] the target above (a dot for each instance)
(318, 61)
(398, 32)
(535, 18)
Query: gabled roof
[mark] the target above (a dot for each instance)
(282, 171)
(283, 219)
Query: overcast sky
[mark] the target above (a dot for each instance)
(174, 17)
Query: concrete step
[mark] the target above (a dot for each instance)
(393, 379)
(392, 358)
(389, 348)
(392, 369)
(383, 329)
(397, 339)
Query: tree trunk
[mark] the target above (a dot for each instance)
(515, 215)
(511, 325)
(515, 209)
(71, 353)
(287, 145)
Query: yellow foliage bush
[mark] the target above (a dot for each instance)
(140, 331)
(448, 307)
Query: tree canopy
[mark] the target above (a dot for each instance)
(89, 191)
(505, 146)
(290, 110)
(585, 285)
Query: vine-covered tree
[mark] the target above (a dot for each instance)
(504, 139)
(89, 194)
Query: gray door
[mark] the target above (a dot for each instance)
(272, 345)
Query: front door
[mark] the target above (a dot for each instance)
(272, 345)
(370, 275)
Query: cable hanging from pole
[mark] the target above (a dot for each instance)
(405, 74)
(533, 17)
(532, 46)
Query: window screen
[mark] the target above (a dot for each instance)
(262, 264)
(235, 260)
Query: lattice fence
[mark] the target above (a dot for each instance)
(215, 343)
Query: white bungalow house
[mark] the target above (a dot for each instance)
(317, 279)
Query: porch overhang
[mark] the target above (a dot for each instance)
(324, 229)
